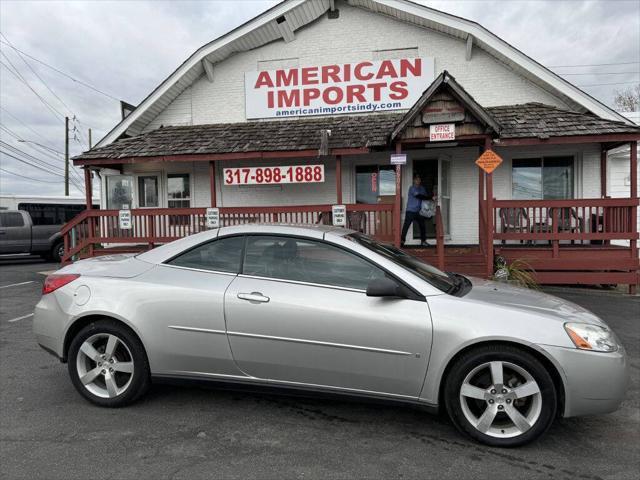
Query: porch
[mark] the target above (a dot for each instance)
(571, 234)
(582, 241)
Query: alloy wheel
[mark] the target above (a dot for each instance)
(105, 365)
(500, 399)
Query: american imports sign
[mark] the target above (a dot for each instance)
(337, 89)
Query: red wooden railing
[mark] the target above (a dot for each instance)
(578, 221)
(152, 226)
(578, 241)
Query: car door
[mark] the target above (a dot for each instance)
(15, 233)
(182, 316)
(299, 313)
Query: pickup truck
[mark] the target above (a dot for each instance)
(18, 234)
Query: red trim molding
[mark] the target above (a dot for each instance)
(212, 157)
(570, 139)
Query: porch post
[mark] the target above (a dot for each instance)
(339, 179)
(396, 205)
(212, 182)
(88, 188)
(603, 172)
(633, 244)
(489, 223)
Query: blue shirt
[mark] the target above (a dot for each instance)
(413, 202)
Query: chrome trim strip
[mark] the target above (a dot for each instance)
(284, 383)
(317, 342)
(195, 329)
(191, 269)
(297, 282)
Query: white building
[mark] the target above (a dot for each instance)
(380, 76)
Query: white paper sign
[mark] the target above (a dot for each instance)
(124, 219)
(442, 132)
(213, 217)
(344, 88)
(398, 159)
(339, 215)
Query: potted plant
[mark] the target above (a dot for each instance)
(517, 273)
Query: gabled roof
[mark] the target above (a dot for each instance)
(446, 81)
(364, 131)
(265, 28)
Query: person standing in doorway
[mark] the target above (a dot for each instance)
(417, 193)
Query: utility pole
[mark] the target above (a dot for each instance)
(66, 156)
(90, 145)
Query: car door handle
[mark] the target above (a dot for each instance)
(253, 297)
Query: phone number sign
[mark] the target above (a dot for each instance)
(274, 175)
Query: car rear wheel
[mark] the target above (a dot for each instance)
(501, 396)
(108, 364)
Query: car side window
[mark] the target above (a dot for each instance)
(221, 255)
(304, 260)
(11, 219)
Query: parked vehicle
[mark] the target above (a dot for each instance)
(32, 224)
(324, 309)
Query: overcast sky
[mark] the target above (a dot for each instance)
(125, 48)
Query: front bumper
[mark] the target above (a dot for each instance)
(594, 382)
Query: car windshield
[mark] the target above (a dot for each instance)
(427, 272)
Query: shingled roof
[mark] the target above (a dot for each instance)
(357, 131)
(529, 120)
(537, 120)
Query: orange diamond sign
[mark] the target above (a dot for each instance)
(489, 161)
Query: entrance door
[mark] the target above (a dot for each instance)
(299, 314)
(444, 190)
(428, 171)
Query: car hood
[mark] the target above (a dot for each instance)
(123, 265)
(530, 301)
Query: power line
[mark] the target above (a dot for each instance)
(22, 79)
(38, 76)
(62, 73)
(26, 162)
(600, 73)
(29, 144)
(603, 84)
(24, 124)
(29, 178)
(40, 162)
(594, 65)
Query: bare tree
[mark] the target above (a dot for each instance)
(628, 100)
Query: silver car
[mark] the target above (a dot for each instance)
(324, 309)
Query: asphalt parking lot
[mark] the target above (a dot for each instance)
(48, 431)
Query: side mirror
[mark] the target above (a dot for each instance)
(385, 287)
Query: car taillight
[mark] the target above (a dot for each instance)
(54, 282)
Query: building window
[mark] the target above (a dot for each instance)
(542, 178)
(119, 192)
(375, 181)
(178, 190)
(148, 191)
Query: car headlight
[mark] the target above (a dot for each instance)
(591, 337)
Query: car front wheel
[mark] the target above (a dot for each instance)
(501, 396)
(108, 364)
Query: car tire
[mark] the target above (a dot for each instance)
(57, 251)
(507, 412)
(108, 364)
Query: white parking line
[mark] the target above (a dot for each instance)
(20, 318)
(16, 284)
